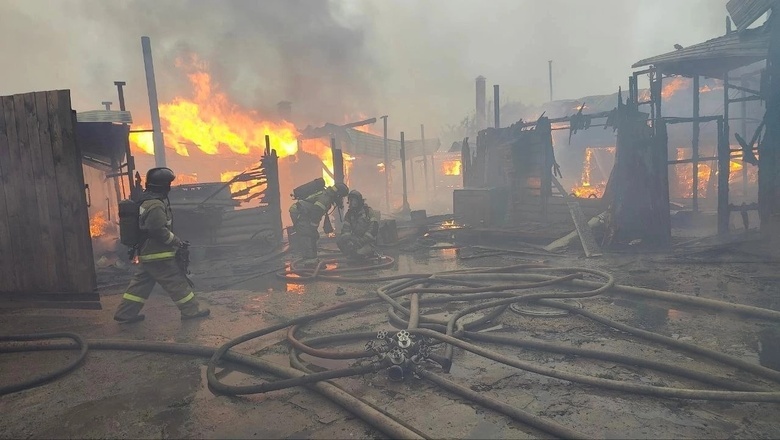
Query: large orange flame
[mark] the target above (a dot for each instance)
(211, 123)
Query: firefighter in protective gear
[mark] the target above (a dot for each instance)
(360, 229)
(158, 253)
(307, 214)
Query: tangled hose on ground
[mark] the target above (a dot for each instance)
(463, 285)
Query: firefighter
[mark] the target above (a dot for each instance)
(307, 213)
(160, 255)
(358, 233)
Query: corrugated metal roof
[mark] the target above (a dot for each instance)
(746, 12)
(714, 57)
(360, 143)
(367, 144)
(120, 117)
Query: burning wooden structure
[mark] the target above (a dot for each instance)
(737, 51)
(367, 152)
(512, 173)
(210, 208)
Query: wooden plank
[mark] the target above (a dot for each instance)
(82, 305)
(45, 249)
(59, 296)
(52, 189)
(15, 194)
(8, 280)
(71, 192)
(85, 265)
(32, 228)
(61, 178)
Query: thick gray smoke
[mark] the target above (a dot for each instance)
(412, 59)
(259, 52)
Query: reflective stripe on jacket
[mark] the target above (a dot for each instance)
(155, 220)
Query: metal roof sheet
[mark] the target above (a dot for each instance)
(746, 12)
(715, 57)
(360, 143)
(120, 117)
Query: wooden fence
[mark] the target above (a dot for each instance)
(45, 248)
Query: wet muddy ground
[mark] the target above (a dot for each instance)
(141, 395)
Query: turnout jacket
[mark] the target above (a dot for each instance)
(361, 223)
(155, 219)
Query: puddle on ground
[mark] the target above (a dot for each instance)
(650, 316)
(769, 348)
(487, 429)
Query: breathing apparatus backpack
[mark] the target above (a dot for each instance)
(129, 223)
(308, 189)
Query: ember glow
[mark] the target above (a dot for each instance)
(98, 225)
(450, 167)
(685, 174)
(590, 186)
(673, 85)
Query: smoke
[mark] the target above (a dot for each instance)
(414, 60)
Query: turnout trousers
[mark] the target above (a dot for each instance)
(170, 277)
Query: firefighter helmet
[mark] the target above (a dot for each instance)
(341, 189)
(159, 179)
(355, 199)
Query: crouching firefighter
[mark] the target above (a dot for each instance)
(307, 212)
(145, 226)
(360, 229)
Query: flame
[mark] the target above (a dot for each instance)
(586, 188)
(685, 174)
(98, 225)
(207, 121)
(450, 167)
(673, 86)
(211, 123)
(184, 179)
(249, 188)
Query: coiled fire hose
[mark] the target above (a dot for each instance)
(462, 286)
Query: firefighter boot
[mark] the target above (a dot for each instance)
(192, 310)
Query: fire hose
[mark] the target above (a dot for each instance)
(479, 284)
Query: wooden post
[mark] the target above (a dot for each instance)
(411, 172)
(743, 112)
(425, 157)
(405, 208)
(695, 144)
(769, 157)
(273, 197)
(723, 178)
(544, 131)
(496, 107)
(387, 165)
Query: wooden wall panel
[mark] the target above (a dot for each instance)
(45, 247)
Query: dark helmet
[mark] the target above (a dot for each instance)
(341, 189)
(355, 199)
(159, 179)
